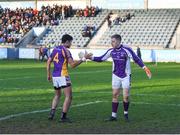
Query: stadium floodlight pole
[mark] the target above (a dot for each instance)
(146, 4)
(36, 4)
(90, 3)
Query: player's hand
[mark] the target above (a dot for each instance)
(148, 72)
(81, 56)
(49, 78)
(88, 55)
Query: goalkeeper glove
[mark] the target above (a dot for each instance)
(81, 56)
(148, 72)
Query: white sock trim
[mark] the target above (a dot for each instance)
(125, 112)
(114, 114)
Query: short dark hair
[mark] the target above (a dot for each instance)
(66, 37)
(116, 36)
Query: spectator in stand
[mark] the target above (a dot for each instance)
(1, 10)
(139, 52)
(77, 13)
(109, 22)
(1, 39)
(86, 11)
(128, 16)
(97, 10)
(81, 13)
(93, 11)
(117, 21)
(89, 12)
(63, 13)
(71, 10)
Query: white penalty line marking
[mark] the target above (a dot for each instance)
(45, 110)
(79, 105)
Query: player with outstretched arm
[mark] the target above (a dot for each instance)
(121, 74)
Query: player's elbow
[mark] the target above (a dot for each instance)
(72, 67)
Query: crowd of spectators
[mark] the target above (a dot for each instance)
(87, 12)
(16, 23)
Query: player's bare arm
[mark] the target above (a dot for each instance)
(74, 63)
(49, 69)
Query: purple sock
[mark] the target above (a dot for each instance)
(126, 106)
(115, 106)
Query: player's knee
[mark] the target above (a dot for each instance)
(58, 94)
(115, 95)
(125, 98)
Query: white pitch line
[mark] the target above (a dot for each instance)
(45, 110)
(79, 105)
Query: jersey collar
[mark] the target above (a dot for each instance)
(119, 47)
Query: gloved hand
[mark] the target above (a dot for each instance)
(88, 55)
(81, 56)
(148, 72)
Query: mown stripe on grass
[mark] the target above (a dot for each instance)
(74, 73)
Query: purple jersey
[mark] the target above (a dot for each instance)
(121, 60)
(60, 56)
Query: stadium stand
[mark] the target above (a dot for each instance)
(74, 26)
(154, 27)
(138, 27)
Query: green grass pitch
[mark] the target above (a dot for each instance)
(25, 97)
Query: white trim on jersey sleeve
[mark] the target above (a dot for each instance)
(107, 55)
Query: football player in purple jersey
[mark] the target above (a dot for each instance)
(61, 57)
(121, 73)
